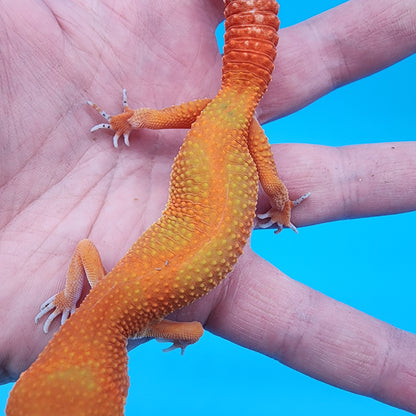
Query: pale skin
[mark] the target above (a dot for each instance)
(60, 184)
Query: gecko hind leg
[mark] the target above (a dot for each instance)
(181, 334)
(281, 206)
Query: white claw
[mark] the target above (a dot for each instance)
(100, 110)
(263, 216)
(267, 224)
(46, 307)
(115, 140)
(49, 306)
(301, 198)
(291, 226)
(66, 314)
(124, 99)
(100, 126)
(126, 138)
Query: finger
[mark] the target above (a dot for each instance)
(315, 334)
(347, 182)
(337, 47)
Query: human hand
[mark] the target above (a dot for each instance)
(57, 178)
(83, 188)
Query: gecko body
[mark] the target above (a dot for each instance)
(181, 257)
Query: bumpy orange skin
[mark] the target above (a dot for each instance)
(186, 253)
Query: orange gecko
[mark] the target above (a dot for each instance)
(186, 253)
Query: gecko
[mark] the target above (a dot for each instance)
(183, 255)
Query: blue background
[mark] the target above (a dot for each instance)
(366, 263)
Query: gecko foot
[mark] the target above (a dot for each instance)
(180, 334)
(175, 344)
(118, 123)
(58, 304)
(281, 217)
